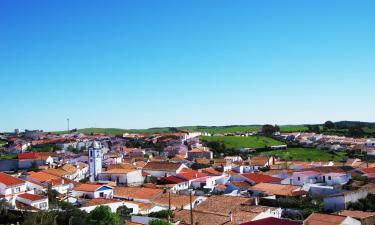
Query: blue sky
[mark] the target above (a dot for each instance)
(138, 64)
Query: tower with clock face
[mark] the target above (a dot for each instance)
(95, 160)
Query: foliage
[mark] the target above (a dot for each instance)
(124, 212)
(269, 129)
(365, 204)
(40, 218)
(163, 214)
(69, 212)
(329, 125)
(356, 132)
(313, 128)
(159, 222)
(306, 204)
(49, 147)
(102, 215)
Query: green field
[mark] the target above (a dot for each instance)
(305, 154)
(208, 129)
(244, 142)
(240, 128)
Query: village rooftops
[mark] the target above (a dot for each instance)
(172, 180)
(137, 193)
(273, 221)
(9, 180)
(89, 187)
(259, 160)
(356, 214)
(162, 166)
(189, 174)
(277, 189)
(32, 197)
(326, 219)
(261, 178)
(177, 201)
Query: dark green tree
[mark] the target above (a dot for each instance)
(329, 125)
(102, 215)
(159, 222)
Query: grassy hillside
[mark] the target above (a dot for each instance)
(208, 129)
(305, 154)
(244, 142)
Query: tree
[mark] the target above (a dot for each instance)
(124, 212)
(102, 215)
(163, 214)
(269, 129)
(356, 132)
(329, 125)
(159, 222)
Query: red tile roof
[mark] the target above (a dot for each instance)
(27, 155)
(271, 220)
(32, 197)
(172, 180)
(162, 166)
(368, 170)
(260, 178)
(10, 180)
(189, 174)
(87, 187)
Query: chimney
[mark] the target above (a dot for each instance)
(230, 216)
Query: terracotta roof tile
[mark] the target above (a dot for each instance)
(162, 166)
(260, 178)
(277, 189)
(137, 192)
(87, 187)
(32, 197)
(356, 214)
(10, 180)
(326, 219)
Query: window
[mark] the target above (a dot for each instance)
(299, 178)
(43, 205)
(329, 178)
(16, 190)
(101, 194)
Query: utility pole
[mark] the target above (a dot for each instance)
(67, 120)
(169, 200)
(191, 211)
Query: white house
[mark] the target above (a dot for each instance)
(10, 187)
(93, 191)
(163, 169)
(123, 176)
(36, 201)
(340, 201)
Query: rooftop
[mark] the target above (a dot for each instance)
(9, 180)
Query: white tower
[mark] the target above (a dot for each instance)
(95, 160)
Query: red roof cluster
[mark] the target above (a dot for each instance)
(189, 174)
(271, 220)
(9, 180)
(27, 155)
(260, 178)
(172, 180)
(32, 197)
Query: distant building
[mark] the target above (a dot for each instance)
(95, 160)
(202, 152)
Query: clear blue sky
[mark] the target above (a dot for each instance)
(138, 64)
